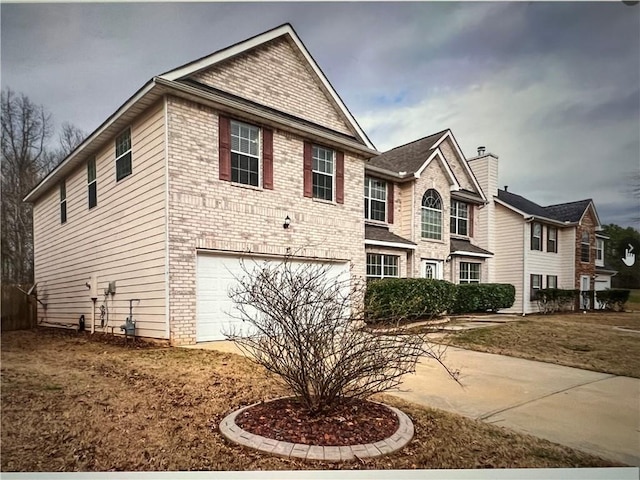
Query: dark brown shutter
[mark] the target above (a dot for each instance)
(471, 207)
(267, 158)
(339, 177)
(224, 148)
(308, 169)
(390, 202)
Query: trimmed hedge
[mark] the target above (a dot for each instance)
(551, 300)
(483, 297)
(396, 299)
(613, 299)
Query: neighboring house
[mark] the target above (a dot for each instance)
(535, 247)
(246, 153)
(421, 201)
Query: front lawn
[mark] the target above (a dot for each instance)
(587, 341)
(73, 403)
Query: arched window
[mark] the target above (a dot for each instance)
(432, 215)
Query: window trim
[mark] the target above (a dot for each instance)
(532, 289)
(333, 174)
(555, 282)
(92, 183)
(63, 202)
(368, 199)
(259, 156)
(467, 279)
(599, 252)
(383, 265)
(552, 244)
(122, 155)
(534, 237)
(455, 218)
(424, 209)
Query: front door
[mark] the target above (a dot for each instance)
(432, 269)
(584, 292)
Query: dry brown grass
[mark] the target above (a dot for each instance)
(71, 403)
(586, 341)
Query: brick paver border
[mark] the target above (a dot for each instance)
(398, 440)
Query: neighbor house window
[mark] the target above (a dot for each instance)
(123, 155)
(469, 272)
(459, 221)
(536, 236)
(375, 199)
(552, 281)
(382, 266)
(536, 285)
(323, 172)
(584, 247)
(552, 239)
(63, 202)
(92, 184)
(431, 215)
(600, 251)
(245, 153)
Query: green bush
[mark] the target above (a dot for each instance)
(613, 299)
(551, 300)
(483, 297)
(397, 299)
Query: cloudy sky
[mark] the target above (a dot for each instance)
(552, 88)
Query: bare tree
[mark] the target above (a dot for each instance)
(70, 137)
(305, 326)
(25, 130)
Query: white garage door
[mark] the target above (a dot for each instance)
(215, 275)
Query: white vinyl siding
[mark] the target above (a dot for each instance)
(508, 253)
(599, 252)
(122, 242)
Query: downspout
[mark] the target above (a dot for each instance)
(167, 331)
(413, 228)
(525, 251)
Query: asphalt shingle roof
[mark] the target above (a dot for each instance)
(459, 245)
(562, 212)
(409, 157)
(382, 234)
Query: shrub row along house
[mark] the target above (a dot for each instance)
(249, 153)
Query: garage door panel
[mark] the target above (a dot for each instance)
(215, 276)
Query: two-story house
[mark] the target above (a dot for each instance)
(420, 210)
(536, 247)
(244, 155)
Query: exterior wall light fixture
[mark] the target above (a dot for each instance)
(287, 222)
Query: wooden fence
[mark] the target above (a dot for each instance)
(19, 312)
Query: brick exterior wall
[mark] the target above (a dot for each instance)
(207, 213)
(276, 75)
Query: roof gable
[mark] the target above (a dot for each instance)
(408, 158)
(276, 70)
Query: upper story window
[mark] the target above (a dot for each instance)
(382, 266)
(323, 172)
(600, 252)
(431, 215)
(63, 202)
(552, 239)
(459, 221)
(375, 199)
(469, 272)
(536, 236)
(245, 154)
(92, 183)
(123, 155)
(585, 246)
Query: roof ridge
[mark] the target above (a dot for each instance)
(569, 203)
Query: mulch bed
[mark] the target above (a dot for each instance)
(352, 422)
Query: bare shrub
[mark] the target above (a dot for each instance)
(306, 327)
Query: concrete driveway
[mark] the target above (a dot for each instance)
(590, 411)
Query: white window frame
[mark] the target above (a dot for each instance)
(465, 275)
(427, 233)
(436, 266)
(124, 153)
(235, 124)
(63, 202)
(384, 263)
(456, 218)
(553, 240)
(536, 237)
(369, 198)
(600, 252)
(315, 171)
(92, 182)
(555, 278)
(585, 247)
(533, 287)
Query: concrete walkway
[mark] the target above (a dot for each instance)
(594, 412)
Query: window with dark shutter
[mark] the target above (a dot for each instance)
(339, 177)
(224, 150)
(390, 194)
(308, 169)
(267, 159)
